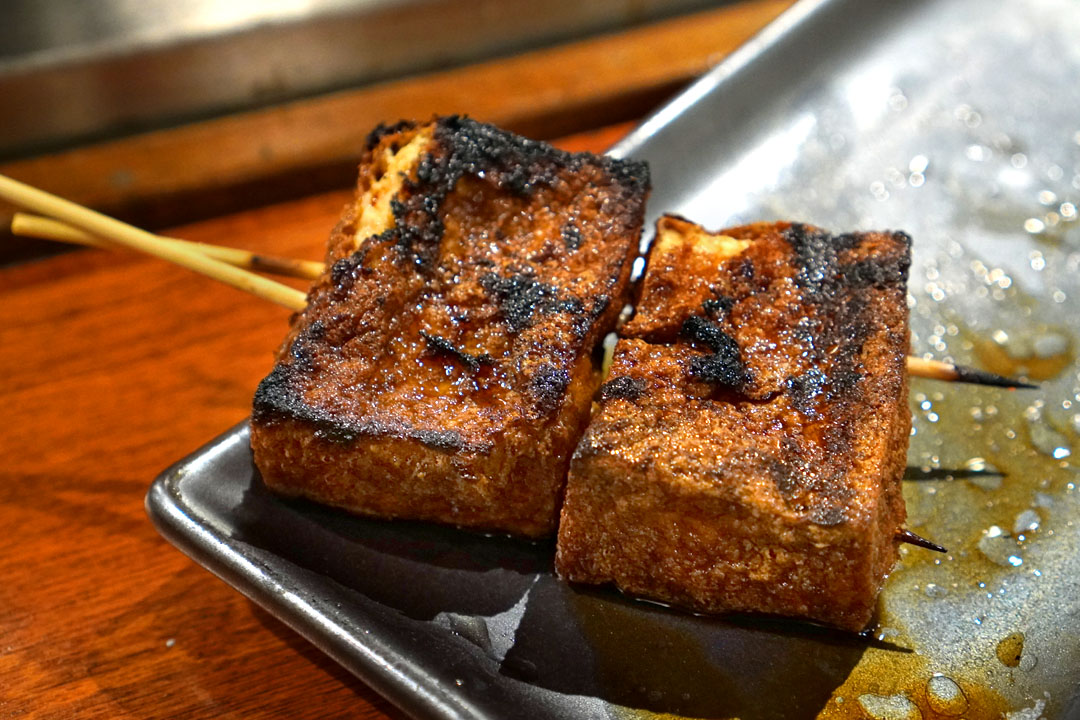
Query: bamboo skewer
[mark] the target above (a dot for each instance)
(120, 233)
(48, 229)
(906, 536)
(77, 224)
(938, 370)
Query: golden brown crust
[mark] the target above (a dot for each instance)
(748, 450)
(442, 369)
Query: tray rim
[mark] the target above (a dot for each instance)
(384, 672)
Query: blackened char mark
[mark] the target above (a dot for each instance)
(816, 253)
(441, 346)
(827, 514)
(838, 291)
(514, 163)
(383, 130)
(718, 307)
(275, 397)
(547, 387)
(746, 269)
(622, 388)
(518, 297)
(806, 390)
(418, 227)
(521, 296)
(464, 147)
(305, 348)
(278, 399)
(819, 492)
(572, 237)
(724, 366)
(345, 272)
(887, 272)
(785, 478)
(704, 332)
(449, 440)
(850, 329)
(583, 321)
(720, 369)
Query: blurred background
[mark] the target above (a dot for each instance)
(167, 111)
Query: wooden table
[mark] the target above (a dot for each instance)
(113, 366)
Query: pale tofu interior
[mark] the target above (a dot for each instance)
(672, 234)
(373, 213)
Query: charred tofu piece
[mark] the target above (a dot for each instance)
(443, 369)
(747, 452)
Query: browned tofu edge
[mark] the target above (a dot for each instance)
(392, 469)
(628, 523)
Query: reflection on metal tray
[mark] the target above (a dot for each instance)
(954, 120)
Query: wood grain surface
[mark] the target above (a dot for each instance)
(112, 367)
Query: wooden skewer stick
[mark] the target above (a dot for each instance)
(48, 229)
(906, 536)
(937, 370)
(89, 226)
(39, 201)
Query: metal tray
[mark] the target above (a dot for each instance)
(954, 120)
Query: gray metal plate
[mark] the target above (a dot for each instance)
(956, 121)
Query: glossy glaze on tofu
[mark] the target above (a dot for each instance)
(747, 452)
(444, 367)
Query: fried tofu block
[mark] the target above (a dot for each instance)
(747, 452)
(443, 369)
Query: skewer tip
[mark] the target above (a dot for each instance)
(968, 374)
(906, 536)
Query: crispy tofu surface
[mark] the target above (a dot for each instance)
(443, 369)
(747, 452)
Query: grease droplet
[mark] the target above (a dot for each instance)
(935, 591)
(945, 696)
(889, 707)
(1027, 521)
(1035, 712)
(1000, 547)
(1010, 649)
